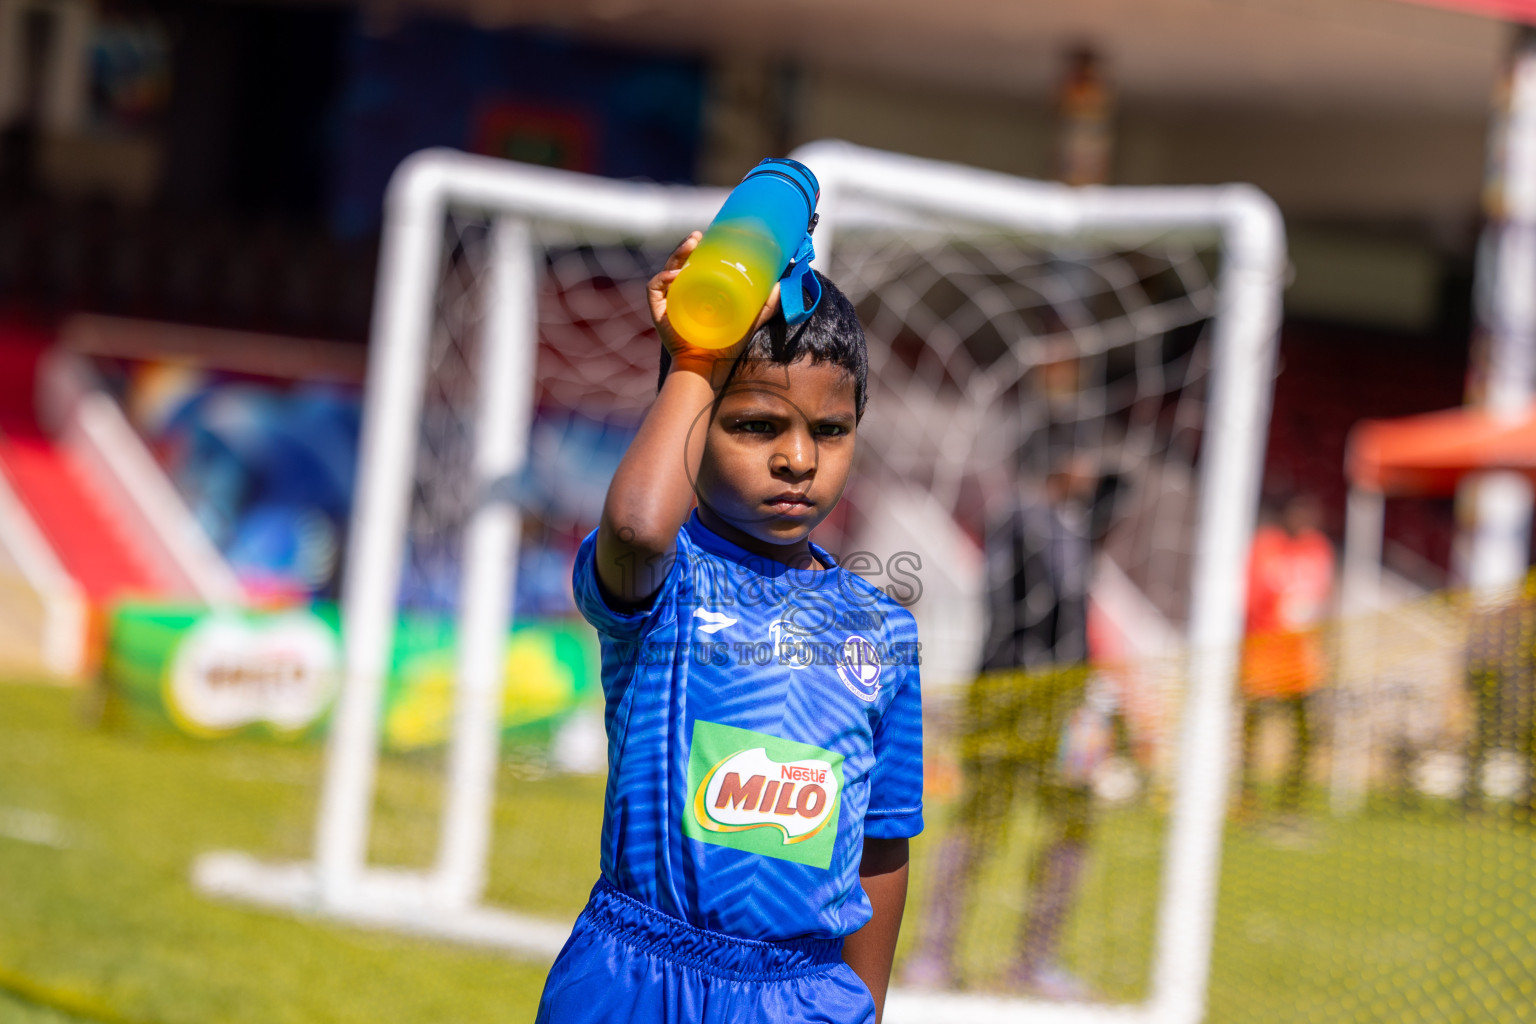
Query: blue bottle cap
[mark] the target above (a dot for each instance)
(798, 175)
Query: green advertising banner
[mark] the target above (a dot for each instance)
(275, 673)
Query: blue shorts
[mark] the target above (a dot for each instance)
(627, 962)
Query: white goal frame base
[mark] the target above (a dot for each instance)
(383, 898)
(860, 187)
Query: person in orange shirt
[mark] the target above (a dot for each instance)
(1290, 584)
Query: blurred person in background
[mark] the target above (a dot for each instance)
(1290, 585)
(1085, 115)
(1031, 729)
(1501, 686)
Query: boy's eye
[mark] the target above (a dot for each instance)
(831, 430)
(755, 427)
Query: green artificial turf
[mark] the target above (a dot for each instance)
(102, 912)
(18, 1010)
(1400, 915)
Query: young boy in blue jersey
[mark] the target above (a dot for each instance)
(763, 710)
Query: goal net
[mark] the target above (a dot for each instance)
(1057, 473)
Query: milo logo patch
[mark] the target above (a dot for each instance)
(761, 794)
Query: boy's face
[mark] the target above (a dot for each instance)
(777, 453)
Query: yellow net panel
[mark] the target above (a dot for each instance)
(1379, 855)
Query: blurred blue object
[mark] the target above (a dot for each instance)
(571, 460)
(543, 582)
(269, 474)
(284, 548)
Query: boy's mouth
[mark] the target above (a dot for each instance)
(790, 503)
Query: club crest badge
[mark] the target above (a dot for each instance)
(858, 665)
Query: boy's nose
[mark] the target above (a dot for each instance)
(796, 455)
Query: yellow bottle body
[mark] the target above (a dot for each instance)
(716, 298)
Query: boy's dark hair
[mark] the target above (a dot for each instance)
(831, 334)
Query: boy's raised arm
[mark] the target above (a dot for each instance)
(652, 491)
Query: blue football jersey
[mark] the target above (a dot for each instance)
(762, 720)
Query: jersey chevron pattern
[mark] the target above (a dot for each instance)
(762, 720)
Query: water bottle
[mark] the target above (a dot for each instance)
(760, 235)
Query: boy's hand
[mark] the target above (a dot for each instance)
(656, 293)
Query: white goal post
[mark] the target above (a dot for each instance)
(526, 206)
